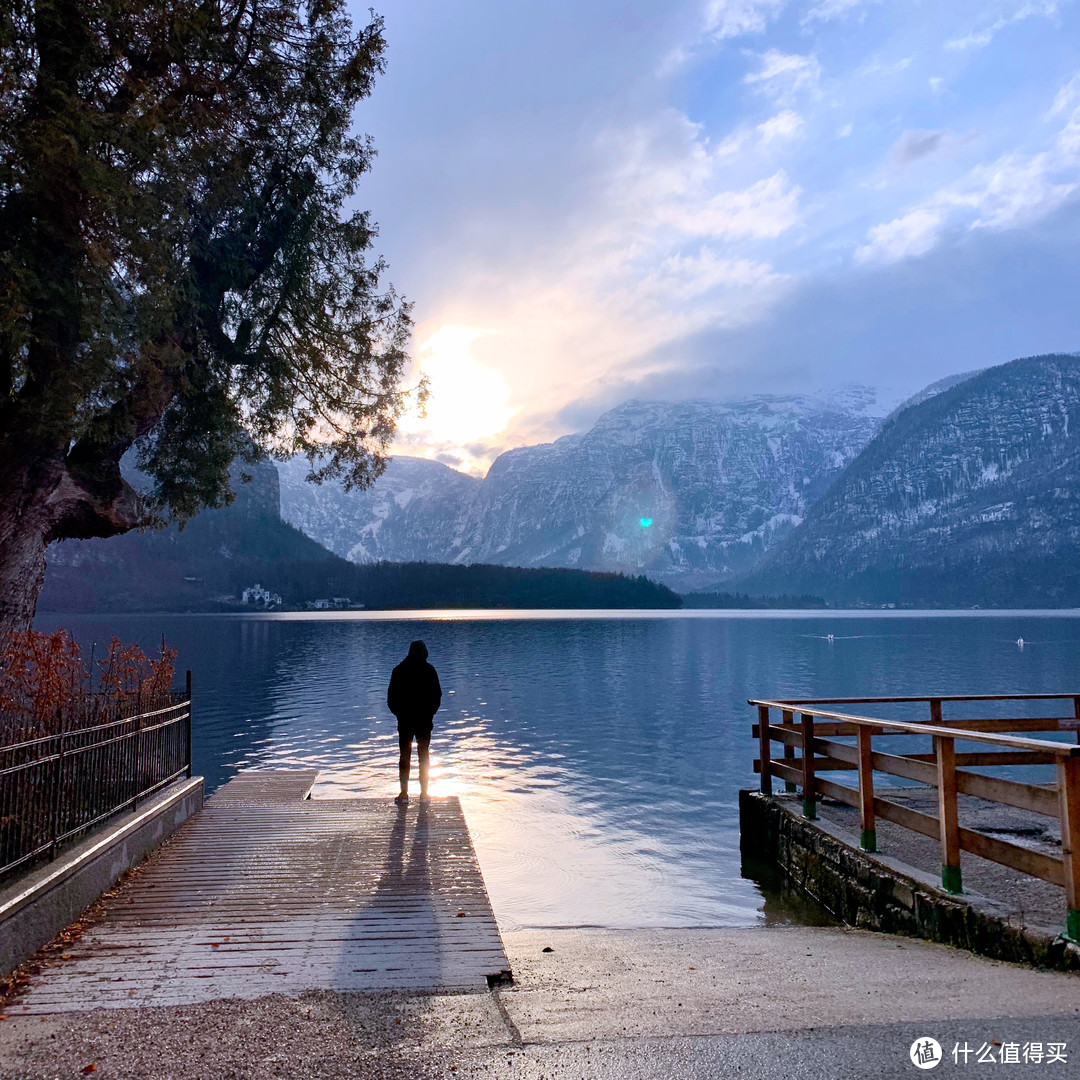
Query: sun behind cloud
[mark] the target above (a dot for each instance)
(469, 401)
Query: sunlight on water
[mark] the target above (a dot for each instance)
(598, 756)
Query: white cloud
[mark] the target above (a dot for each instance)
(909, 236)
(845, 131)
(783, 75)
(1008, 193)
(762, 211)
(784, 125)
(937, 84)
(686, 277)
(877, 66)
(828, 10)
(733, 18)
(979, 39)
(1067, 97)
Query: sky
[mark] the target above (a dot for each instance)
(589, 201)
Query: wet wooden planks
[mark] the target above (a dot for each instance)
(264, 893)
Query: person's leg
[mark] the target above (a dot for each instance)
(423, 743)
(404, 761)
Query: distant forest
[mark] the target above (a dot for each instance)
(742, 600)
(206, 567)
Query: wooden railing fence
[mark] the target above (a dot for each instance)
(805, 724)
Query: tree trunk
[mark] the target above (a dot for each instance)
(46, 503)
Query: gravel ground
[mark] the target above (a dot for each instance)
(318, 1035)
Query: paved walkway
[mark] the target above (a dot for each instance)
(799, 1003)
(268, 892)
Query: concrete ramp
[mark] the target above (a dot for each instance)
(266, 891)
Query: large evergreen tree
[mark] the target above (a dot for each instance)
(180, 271)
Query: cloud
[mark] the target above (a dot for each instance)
(783, 75)
(687, 277)
(784, 125)
(1013, 191)
(828, 10)
(937, 84)
(913, 145)
(909, 236)
(979, 39)
(733, 18)
(1067, 97)
(761, 211)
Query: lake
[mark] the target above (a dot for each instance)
(598, 755)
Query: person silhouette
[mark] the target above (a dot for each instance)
(414, 696)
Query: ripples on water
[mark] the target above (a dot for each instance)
(598, 757)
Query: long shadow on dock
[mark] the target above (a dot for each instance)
(267, 892)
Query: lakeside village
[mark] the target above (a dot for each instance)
(255, 596)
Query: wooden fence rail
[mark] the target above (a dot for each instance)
(812, 745)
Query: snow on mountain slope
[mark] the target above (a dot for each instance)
(693, 491)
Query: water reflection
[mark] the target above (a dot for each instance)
(598, 759)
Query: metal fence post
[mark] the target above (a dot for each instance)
(187, 725)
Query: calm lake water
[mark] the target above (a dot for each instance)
(598, 755)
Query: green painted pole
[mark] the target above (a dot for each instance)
(950, 879)
(1072, 925)
(868, 839)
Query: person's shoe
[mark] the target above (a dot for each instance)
(401, 800)
(425, 797)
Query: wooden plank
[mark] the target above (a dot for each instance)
(908, 818)
(899, 765)
(948, 818)
(985, 758)
(839, 792)
(787, 720)
(254, 898)
(787, 772)
(868, 837)
(916, 700)
(764, 748)
(809, 805)
(1069, 795)
(906, 727)
(1019, 858)
(1037, 799)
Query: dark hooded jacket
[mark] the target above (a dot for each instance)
(414, 694)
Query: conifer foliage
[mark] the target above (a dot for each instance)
(182, 268)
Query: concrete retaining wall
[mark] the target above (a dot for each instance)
(39, 905)
(878, 893)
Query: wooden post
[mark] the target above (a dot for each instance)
(809, 806)
(868, 833)
(788, 720)
(1076, 713)
(935, 710)
(764, 748)
(1069, 794)
(948, 817)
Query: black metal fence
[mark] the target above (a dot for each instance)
(56, 787)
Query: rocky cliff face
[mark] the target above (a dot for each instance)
(417, 510)
(972, 496)
(692, 492)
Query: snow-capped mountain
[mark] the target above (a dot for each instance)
(693, 491)
(415, 511)
(972, 496)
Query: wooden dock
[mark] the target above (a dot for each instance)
(268, 891)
